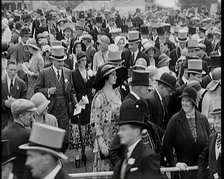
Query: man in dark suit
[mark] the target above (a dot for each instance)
(161, 36)
(12, 88)
(55, 82)
(211, 155)
(133, 53)
(97, 29)
(16, 33)
(18, 133)
(42, 156)
(43, 26)
(132, 114)
(19, 54)
(204, 40)
(167, 34)
(111, 25)
(36, 22)
(157, 102)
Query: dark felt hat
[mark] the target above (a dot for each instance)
(140, 78)
(144, 30)
(80, 55)
(6, 155)
(25, 32)
(167, 28)
(99, 19)
(133, 112)
(191, 93)
(191, 30)
(168, 79)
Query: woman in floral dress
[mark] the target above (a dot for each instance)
(105, 113)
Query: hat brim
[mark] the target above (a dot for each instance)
(196, 72)
(212, 85)
(7, 161)
(135, 41)
(33, 46)
(59, 59)
(184, 95)
(42, 107)
(156, 50)
(167, 84)
(42, 149)
(215, 113)
(179, 40)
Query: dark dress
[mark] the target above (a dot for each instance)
(178, 136)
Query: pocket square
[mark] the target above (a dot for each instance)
(133, 169)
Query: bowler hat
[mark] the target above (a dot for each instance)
(133, 112)
(46, 139)
(25, 32)
(140, 78)
(191, 93)
(40, 102)
(22, 105)
(81, 55)
(58, 53)
(106, 69)
(166, 27)
(168, 79)
(133, 37)
(6, 156)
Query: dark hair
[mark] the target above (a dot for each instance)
(11, 62)
(209, 35)
(82, 46)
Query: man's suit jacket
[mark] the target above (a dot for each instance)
(17, 135)
(59, 34)
(135, 168)
(15, 37)
(208, 158)
(205, 81)
(62, 175)
(47, 78)
(128, 61)
(174, 56)
(35, 25)
(41, 29)
(90, 51)
(94, 34)
(18, 91)
(208, 45)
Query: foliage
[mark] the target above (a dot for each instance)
(69, 4)
(186, 4)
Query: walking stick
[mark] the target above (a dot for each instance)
(84, 159)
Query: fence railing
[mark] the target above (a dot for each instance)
(110, 173)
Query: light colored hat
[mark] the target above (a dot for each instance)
(40, 35)
(80, 25)
(58, 53)
(118, 38)
(21, 105)
(162, 60)
(87, 37)
(32, 43)
(216, 31)
(56, 43)
(104, 40)
(133, 37)
(40, 102)
(182, 36)
(68, 25)
(140, 63)
(47, 139)
(195, 66)
(192, 44)
(45, 34)
(129, 24)
(113, 47)
(147, 44)
(115, 31)
(46, 48)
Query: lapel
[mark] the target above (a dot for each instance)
(66, 79)
(212, 147)
(55, 77)
(21, 47)
(5, 85)
(15, 88)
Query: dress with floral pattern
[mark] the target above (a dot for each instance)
(104, 116)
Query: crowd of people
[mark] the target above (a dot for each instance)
(141, 91)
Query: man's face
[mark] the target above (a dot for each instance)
(163, 48)
(68, 33)
(58, 64)
(27, 118)
(182, 44)
(35, 161)
(201, 34)
(133, 47)
(43, 21)
(217, 122)
(12, 71)
(196, 77)
(111, 22)
(6, 170)
(126, 134)
(99, 25)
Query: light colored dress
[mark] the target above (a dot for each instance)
(48, 119)
(36, 63)
(99, 59)
(104, 116)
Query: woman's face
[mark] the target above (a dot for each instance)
(78, 48)
(112, 78)
(150, 52)
(82, 62)
(187, 104)
(121, 44)
(30, 49)
(48, 53)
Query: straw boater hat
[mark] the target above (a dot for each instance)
(31, 43)
(115, 31)
(133, 37)
(46, 139)
(195, 66)
(6, 156)
(58, 53)
(182, 36)
(133, 112)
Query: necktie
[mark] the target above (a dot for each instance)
(11, 86)
(123, 167)
(133, 58)
(218, 141)
(58, 75)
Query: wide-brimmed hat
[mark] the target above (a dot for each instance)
(133, 112)
(168, 79)
(40, 102)
(32, 43)
(182, 36)
(58, 53)
(139, 78)
(106, 69)
(22, 105)
(69, 26)
(104, 40)
(133, 37)
(162, 59)
(147, 44)
(6, 156)
(80, 55)
(87, 37)
(46, 139)
(191, 93)
(195, 66)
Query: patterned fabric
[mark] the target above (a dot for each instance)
(192, 125)
(104, 116)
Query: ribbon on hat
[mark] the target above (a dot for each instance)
(34, 144)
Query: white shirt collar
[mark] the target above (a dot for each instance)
(160, 97)
(219, 53)
(56, 70)
(135, 95)
(54, 172)
(10, 176)
(131, 148)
